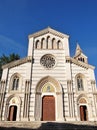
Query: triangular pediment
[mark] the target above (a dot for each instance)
(46, 31)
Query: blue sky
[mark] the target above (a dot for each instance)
(77, 18)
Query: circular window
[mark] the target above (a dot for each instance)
(48, 61)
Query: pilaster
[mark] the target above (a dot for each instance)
(2, 94)
(70, 98)
(26, 101)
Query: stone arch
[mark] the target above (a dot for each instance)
(83, 80)
(13, 100)
(59, 44)
(49, 44)
(48, 79)
(80, 74)
(82, 96)
(43, 43)
(12, 79)
(12, 96)
(54, 45)
(56, 93)
(37, 45)
(82, 102)
(16, 74)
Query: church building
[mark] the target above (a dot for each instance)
(49, 84)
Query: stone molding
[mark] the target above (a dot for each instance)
(17, 62)
(79, 63)
(48, 79)
(48, 30)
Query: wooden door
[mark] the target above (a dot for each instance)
(48, 108)
(83, 113)
(12, 113)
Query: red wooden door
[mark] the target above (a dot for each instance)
(83, 113)
(12, 113)
(48, 108)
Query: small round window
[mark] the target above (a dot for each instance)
(48, 61)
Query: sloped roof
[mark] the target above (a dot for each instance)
(48, 30)
(79, 51)
(79, 63)
(17, 62)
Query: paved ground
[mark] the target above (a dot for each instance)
(48, 125)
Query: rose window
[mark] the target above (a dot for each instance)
(48, 61)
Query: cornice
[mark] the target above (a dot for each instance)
(79, 63)
(48, 30)
(17, 62)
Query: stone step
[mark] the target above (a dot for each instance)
(5, 125)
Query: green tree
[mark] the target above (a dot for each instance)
(7, 59)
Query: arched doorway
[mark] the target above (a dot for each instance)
(12, 113)
(48, 108)
(13, 109)
(83, 113)
(83, 107)
(48, 90)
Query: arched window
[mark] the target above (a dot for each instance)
(15, 83)
(80, 83)
(43, 43)
(37, 45)
(81, 59)
(59, 45)
(54, 45)
(49, 44)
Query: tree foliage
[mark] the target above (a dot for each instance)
(7, 59)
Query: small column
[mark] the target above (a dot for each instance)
(6, 114)
(26, 100)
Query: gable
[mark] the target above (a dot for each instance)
(48, 39)
(46, 31)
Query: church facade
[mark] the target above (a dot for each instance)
(49, 84)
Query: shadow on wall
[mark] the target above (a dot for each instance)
(56, 126)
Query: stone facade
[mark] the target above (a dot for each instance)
(49, 82)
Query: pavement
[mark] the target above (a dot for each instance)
(14, 125)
